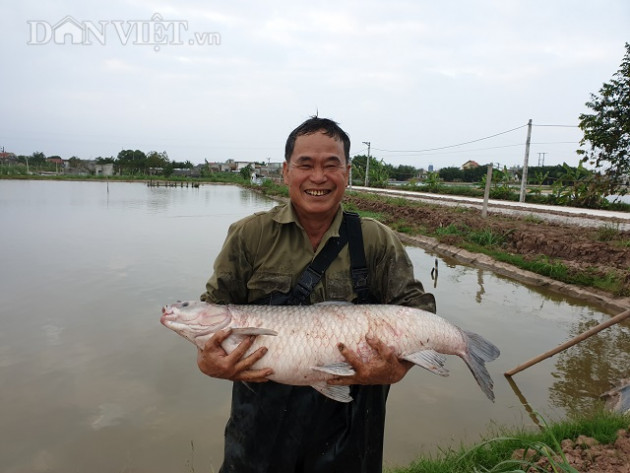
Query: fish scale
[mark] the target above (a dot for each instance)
(302, 341)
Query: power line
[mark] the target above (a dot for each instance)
(474, 150)
(452, 146)
(560, 126)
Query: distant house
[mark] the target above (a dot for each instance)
(106, 169)
(219, 167)
(243, 164)
(7, 158)
(470, 165)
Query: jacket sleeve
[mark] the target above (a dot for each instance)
(232, 270)
(392, 278)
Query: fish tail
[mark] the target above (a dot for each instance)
(479, 352)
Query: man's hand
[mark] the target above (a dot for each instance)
(384, 368)
(214, 361)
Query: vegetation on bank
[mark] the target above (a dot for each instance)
(492, 243)
(497, 453)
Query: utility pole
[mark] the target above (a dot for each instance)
(525, 161)
(350, 174)
(541, 159)
(367, 163)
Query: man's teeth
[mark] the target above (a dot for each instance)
(317, 192)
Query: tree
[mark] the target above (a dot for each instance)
(607, 130)
(402, 172)
(132, 161)
(156, 161)
(246, 172)
(451, 174)
(379, 173)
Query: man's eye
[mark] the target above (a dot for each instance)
(304, 167)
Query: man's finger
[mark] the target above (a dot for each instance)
(218, 338)
(242, 348)
(247, 362)
(350, 356)
(384, 351)
(255, 376)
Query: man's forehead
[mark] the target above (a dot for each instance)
(318, 142)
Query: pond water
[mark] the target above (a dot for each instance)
(92, 382)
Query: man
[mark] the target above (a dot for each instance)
(287, 429)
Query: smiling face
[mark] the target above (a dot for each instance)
(317, 174)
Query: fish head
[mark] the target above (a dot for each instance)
(195, 320)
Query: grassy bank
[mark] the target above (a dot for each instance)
(492, 240)
(497, 453)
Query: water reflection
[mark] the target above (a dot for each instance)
(481, 290)
(603, 359)
(434, 273)
(526, 405)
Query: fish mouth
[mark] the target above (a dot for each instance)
(317, 192)
(167, 315)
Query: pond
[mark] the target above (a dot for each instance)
(91, 381)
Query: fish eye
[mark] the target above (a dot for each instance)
(185, 304)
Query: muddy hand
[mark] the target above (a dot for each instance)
(214, 361)
(383, 368)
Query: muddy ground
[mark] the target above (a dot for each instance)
(602, 250)
(586, 455)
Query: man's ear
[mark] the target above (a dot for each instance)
(285, 171)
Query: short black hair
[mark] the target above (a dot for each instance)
(314, 125)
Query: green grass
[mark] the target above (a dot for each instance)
(545, 266)
(486, 237)
(494, 454)
(451, 229)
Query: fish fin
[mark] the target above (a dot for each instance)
(429, 360)
(337, 369)
(479, 351)
(253, 331)
(246, 384)
(336, 393)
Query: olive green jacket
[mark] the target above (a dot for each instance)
(268, 251)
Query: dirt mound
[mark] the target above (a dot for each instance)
(587, 455)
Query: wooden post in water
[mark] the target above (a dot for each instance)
(583, 336)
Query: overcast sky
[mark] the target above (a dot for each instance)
(230, 79)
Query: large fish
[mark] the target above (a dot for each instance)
(302, 340)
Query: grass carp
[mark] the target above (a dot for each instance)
(302, 340)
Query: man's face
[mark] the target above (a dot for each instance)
(316, 174)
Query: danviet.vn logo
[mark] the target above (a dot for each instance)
(155, 32)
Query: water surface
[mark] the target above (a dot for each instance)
(92, 382)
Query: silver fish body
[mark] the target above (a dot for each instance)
(302, 341)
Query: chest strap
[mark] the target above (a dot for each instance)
(350, 230)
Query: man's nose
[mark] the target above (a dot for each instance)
(318, 173)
